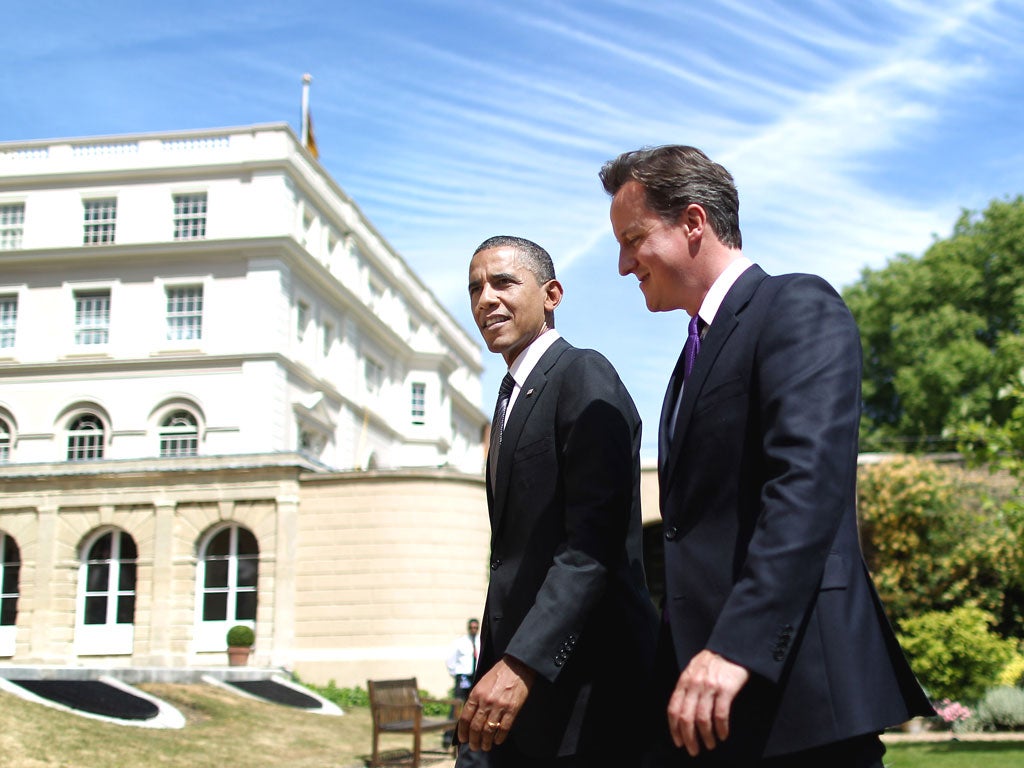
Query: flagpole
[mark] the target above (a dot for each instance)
(304, 131)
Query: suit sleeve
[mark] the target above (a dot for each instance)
(806, 408)
(597, 433)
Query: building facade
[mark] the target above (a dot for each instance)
(207, 356)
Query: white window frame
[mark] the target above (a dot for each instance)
(8, 632)
(418, 403)
(74, 443)
(184, 312)
(174, 436)
(92, 316)
(99, 221)
(112, 637)
(12, 225)
(6, 438)
(190, 210)
(210, 633)
(8, 320)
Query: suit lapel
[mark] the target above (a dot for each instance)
(529, 396)
(727, 319)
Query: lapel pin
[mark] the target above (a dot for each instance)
(529, 391)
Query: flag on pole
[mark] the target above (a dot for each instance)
(308, 140)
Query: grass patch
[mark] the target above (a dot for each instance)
(222, 729)
(956, 754)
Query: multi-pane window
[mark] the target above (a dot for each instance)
(230, 566)
(179, 435)
(8, 320)
(10, 572)
(6, 438)
(190, 217)
(419, 402)
(110, 566)
(100, 221)
(12, 225)
(185, 313)
(92, 317)
(85, 438)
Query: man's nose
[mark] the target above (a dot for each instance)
(626, 262)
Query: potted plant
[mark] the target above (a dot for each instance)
(240, 639)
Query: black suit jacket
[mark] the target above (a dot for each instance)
(567, 592)
(758, 498)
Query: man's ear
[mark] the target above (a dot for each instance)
(552, 295)
(693, 217)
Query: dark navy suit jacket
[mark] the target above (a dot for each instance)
(758, 498)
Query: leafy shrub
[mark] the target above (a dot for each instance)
(955, 654)
(241, 636)
(343, 697)
(933, 542)
(1013, 673)
(1002, 709)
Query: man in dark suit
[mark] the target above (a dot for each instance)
(568, 633)
(774, 649)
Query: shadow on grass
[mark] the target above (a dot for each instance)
(403, 757)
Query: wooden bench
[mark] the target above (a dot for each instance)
(396, 707)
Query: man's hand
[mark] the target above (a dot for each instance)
(493, 704)
(698, 711)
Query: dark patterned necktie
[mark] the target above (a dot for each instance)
(498, 422)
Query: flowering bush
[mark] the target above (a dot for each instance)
(952, 712)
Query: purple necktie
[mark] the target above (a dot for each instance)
(692, 346)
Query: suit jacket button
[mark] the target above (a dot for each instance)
(495, 564)
(671, 533)
(778, 655)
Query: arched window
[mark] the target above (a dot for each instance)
(228, 569)
(85, 438)
(106, 590)
(10, 573)
(6, 440)
(179, 434)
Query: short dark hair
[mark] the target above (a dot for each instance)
(536, 259)
(674, 176)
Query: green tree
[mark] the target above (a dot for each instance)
(942, 333)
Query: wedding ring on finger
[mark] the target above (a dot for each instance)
(492, 724)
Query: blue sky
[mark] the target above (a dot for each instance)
(855, 130)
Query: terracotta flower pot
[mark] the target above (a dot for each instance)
(238, 656)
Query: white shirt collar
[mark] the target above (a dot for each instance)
(716, 294)
(523, 365)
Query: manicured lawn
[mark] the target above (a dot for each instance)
(956, 754)
(222, 730)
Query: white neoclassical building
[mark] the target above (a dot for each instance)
(224, 398)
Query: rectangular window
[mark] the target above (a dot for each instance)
(92, 317)
(190, 217)
(374, 373)
(419, 402)
(185, 313)
(12, 225)
(8, 320)
(100, 221)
